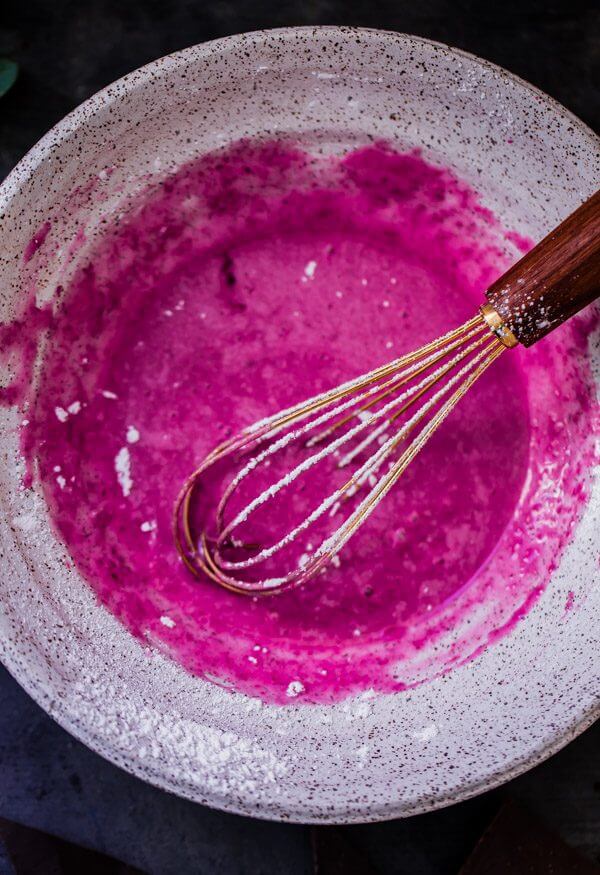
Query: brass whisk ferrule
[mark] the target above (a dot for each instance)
(500, 329)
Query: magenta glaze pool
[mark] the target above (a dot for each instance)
(247, 281)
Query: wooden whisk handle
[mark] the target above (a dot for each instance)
(555, 280)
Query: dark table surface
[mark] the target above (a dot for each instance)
(66, 50)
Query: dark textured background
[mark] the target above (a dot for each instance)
(67, 50)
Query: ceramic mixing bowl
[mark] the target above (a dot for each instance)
(372, 756)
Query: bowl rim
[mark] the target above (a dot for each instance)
(36, 154)
(57, 708)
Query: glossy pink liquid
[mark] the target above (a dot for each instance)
(246, 282)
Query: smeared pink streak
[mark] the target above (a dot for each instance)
(36, 241)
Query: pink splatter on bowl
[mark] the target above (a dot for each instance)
(375, 754)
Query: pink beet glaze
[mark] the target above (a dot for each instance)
(199, 314)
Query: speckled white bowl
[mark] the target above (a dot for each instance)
(375, 756)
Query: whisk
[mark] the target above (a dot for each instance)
(355, 440)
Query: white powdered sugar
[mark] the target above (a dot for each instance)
(123, 469)
(427, 733)
(294, 689)
(62, 415)
(309, 271)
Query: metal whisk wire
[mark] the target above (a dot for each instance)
(460, 356)
(551, 283)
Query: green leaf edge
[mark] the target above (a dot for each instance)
(8, 75)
